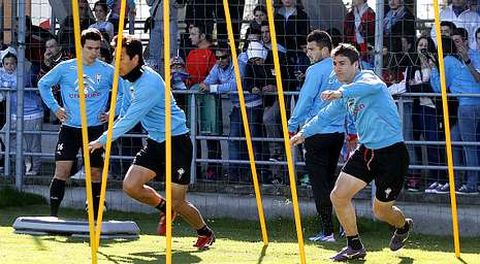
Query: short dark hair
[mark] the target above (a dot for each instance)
(203, 28)
(90, 34)
(449, 24)
(132, 45)
(347, 50)
(461, 32)
(322, 39)
(448, 47)
(260, 8)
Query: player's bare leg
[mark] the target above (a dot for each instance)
(134, 186)
(391, 214)
(345, 188)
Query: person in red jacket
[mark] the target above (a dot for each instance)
(359, 26)
(200, 61)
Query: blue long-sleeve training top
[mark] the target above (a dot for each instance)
(459, 80)
(372, 109)
(144, 101)
(98, 81)
(319, 77)
(223, 81)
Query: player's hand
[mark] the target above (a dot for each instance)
(297, 139)
(104, 117)
(204, 88)
(352, 142)
(94, 145)
(61, 114)
(269, 89)
(330, 95)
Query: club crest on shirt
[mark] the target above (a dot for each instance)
(98, 77)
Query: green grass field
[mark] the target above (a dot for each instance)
(237, 242)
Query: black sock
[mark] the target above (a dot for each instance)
(57, 191)
(404, 229)
(96, 188)
(162, 206)
(204, 231)
(354, 242)
(326, 219)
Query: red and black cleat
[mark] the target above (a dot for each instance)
(204, 242)
(162, 223)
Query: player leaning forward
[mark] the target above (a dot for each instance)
(382, 155)
(144, 101)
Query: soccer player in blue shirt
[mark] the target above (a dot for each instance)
(322, 149)
(381, 156)
(144, 101)
(98, 79)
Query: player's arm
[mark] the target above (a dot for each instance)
(366, 85)
(143, 101)
(45, 84)
(331, 111)
(306, 100)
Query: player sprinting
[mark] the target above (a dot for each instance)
(144, 101)
(98, 80)
(381, 156)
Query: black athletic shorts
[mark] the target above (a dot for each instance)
(387, 166)
(152, 157)
(70, 141)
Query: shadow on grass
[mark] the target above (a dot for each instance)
(152, 257)
(375, 235)
(262, 254)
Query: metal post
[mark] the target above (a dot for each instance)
(13, 27)
(7, 133)
(19, 164)
(193, 135)
(379, 37)
(378, 58)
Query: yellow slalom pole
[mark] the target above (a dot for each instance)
(288, 151)
(453, 197)
(168, 129)
(83, 114)
(111, 116)
(246, 128)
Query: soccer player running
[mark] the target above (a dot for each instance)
(323, 148)
(144, 101)
(381, 156)
(98, 80)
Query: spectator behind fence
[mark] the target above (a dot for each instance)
(179, 76)
(209, 109)
(259, 16)
(114, 16)
(256, 77)
(32, 110)
(291, 23)
(446, 28)
(397, 23)
(220, 80)
(155, 25)
(460, 80)
(459, 13)
(359, 26)
(101, 10)
(323, 148)
(426, 113)
(470, 56)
